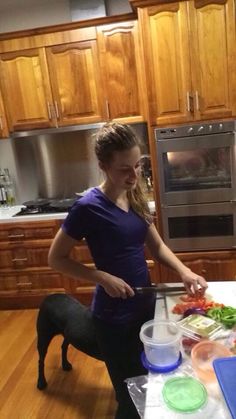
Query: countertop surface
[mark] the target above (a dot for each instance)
(8, 215)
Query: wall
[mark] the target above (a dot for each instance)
(28, 14)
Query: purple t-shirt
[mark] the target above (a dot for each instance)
(116, 241)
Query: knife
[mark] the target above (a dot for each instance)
(159, 288)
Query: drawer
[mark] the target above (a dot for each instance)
(13, 232)
(34, 282)
(27, 255)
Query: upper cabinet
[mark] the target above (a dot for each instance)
(121, 69)
(3, 121)
(51, 87)
(190, 60)
(76, 86)
(26, 89)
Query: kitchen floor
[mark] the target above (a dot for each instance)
(83, 393)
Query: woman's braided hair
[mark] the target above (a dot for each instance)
(114, 137)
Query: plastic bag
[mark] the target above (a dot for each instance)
(146, 393)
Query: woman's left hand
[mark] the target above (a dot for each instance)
(194, 284)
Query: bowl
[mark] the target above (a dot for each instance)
(161, 341)
(203, 354)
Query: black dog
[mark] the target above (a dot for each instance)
(63, 314)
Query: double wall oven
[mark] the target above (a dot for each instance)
(197, 173)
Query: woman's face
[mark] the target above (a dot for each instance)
(124, 169)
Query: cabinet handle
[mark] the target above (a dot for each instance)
(49, 111)
(203, 271)
(108, 109)
(19, 260)
(56, 107)
(15, 236)
(197, 100)
(23, 284)
(1, 123)
(188, 102)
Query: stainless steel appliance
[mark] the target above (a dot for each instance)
(197, 163)
(197, 172)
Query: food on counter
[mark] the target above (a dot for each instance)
(188, 302)
(225, 315)
(198, 327)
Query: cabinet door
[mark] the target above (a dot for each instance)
(74, 75)
(167, 62)
(213, 58)
(121, 68)
(3, 121)
(213, 266)
(26, 89)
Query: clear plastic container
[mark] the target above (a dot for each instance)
(197, 327)
(161, 340)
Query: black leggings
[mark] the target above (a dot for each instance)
(121, 348)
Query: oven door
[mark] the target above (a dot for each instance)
(200, 227)
(197, 169)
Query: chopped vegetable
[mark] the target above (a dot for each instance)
(225, 315)
(189, 302)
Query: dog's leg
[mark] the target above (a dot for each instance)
(43, 343)
(66, 365)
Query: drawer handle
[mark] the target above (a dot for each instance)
(203, 271)
(15, 236)
(23, 284)
(19, 260)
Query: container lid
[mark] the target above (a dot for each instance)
(225, 372)
(159, 369)
(184, 394)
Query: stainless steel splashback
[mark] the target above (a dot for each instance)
(61, 163)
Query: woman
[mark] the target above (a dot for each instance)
(115, 220)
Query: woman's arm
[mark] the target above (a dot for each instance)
(163, 254)
(60, 260)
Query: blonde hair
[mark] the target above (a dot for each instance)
(113, 137)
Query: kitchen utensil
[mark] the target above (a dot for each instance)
(159, 288)
(225, 372)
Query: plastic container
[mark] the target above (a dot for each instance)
(184, 394)
(203, 354)
(197, 326)
(161, 340)
(225, 372)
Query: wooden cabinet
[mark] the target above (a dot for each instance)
(121, 69)
(3, 121)
(213, 266)
(189, 76)
(75, 80)
(26, 89)
(56, 86)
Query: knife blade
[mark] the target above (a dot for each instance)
(160, 288)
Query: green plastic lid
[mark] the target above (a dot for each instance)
(184, 394)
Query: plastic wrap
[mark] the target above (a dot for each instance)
(146, 393)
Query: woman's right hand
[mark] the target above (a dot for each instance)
(116, 287)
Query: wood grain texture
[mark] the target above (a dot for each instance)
(4, 132)
(83, 393)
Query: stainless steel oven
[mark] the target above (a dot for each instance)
(197, 163)
(197, 173)
(200, 226)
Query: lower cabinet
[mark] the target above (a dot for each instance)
(213, 266)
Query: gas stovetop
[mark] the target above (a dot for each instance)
(46, 206)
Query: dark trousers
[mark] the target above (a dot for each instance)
(121, 348)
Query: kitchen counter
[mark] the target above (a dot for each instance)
(147, 389)
(7, 215)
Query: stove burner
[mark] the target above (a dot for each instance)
(43, 206)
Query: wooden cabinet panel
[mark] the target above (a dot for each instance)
(213, 266)
(15, 232)
(26, 89)
(33, 282)
(167, 63)
(213, 43)
(27, 255)
(190, 60)
(76, 85)
(3, 121)
(120, 68)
